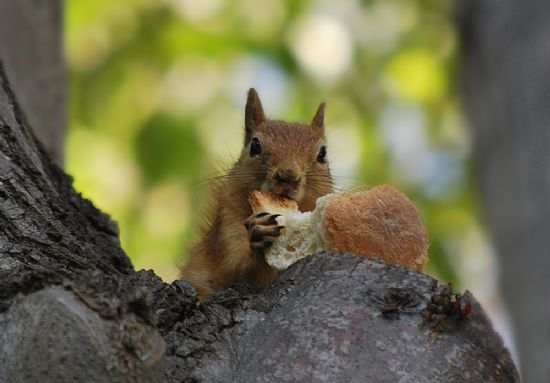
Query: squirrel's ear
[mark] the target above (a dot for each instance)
(254, 114)
(319, 118)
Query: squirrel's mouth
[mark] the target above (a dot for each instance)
(290, 192)
(284, 195)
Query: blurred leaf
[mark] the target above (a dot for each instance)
(168, 148)
(417, 75)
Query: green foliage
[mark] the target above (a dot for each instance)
(158, 88)
(167, 147)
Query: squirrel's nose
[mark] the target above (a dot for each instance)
(287, 176)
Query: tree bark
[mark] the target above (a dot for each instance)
(505, 63)
(31, 47)
(73, 309)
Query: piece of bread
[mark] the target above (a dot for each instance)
(272, 203)
(381, 223)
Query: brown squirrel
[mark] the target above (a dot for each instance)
(288, 159)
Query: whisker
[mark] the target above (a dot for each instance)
(350, 183)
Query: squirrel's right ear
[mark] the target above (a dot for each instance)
(319, 118)
(254, 114)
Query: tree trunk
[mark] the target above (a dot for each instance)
(31, 47)
(506, 61)
(73, 309)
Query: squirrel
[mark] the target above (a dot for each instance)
(288, 159)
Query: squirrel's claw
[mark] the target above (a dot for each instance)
(258, 219)
(263, 230)
(258, 232)
(263, 219)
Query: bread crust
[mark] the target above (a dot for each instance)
(381, 223)
(269, 202)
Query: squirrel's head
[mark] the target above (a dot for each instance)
(289, 159)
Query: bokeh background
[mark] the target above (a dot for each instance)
(157, 91)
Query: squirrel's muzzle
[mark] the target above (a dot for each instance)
(287, 177)
(287, 183)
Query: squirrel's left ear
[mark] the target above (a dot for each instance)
(254, 114)
(319, 118)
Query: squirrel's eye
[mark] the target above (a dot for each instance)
(255, 147)
(322, 156)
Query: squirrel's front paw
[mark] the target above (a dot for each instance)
(263, 230)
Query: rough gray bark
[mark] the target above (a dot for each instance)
(31, 47)
(323, 321)
(73, 309)
(49, 236)
(506, 82)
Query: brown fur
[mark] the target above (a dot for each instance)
(223, 256)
